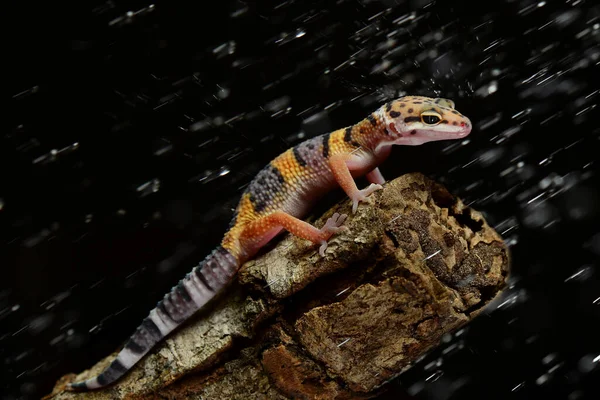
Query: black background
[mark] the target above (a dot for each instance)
(128, 138)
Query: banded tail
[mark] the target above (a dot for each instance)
(184, 299)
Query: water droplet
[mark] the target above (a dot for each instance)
(41, 322)
(435, 376)
(542, 379)
(224, 171)
(588, 363)
(491, 156)
(549, 358)
(539, 215)
(581, 274)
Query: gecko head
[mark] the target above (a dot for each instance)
(413, 120)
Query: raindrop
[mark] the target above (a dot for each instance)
(542, 379)
(416, 388)
(588, 363)
(199, 126)
(223, 93)
(224, 171)
(539, 215)
(548, 359)
(225, 49)
(581, 203)
(581, 274)
(486, 90)
(149, 187)
(435, 376)
(567, 18)
(278, 104)
(41, 323)
(489, 157)
(576, 395)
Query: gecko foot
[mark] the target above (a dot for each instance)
(333, 225)
(362, 195)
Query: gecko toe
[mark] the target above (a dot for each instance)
(323, 248)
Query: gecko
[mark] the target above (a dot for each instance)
(277, 199)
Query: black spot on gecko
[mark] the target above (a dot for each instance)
(388, 106)
(454, 112)
(437, 101)
(134, 347)
(417, 102)
(395, 114)
(326, 145)
(181, 290)
(268, 182)
(348, 134)
(454, 123)
(413, 132)
(402, 105)
(277, 173)
(117, 368)
(233, 219)
(310, 146)
(410, 110)
(411, 119)
(202, 278)
(152, 329)
(163, 309)
(301, 161)
(372, 119)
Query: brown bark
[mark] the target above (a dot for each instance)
(414, 264)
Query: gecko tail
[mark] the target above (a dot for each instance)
(188, 296)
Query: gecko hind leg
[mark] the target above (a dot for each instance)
(258, 230)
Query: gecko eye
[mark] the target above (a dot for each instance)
(431, 118)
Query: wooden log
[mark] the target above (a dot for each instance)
(413, 264)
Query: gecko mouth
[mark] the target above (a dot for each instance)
(463, 132)
(456, 133)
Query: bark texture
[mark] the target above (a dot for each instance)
(412, 265)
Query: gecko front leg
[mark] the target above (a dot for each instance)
(375, 177)
(341, 165)
(263, 229)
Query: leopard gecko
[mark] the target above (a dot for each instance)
(280, 195)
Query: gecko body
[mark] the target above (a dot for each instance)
(280, 195)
